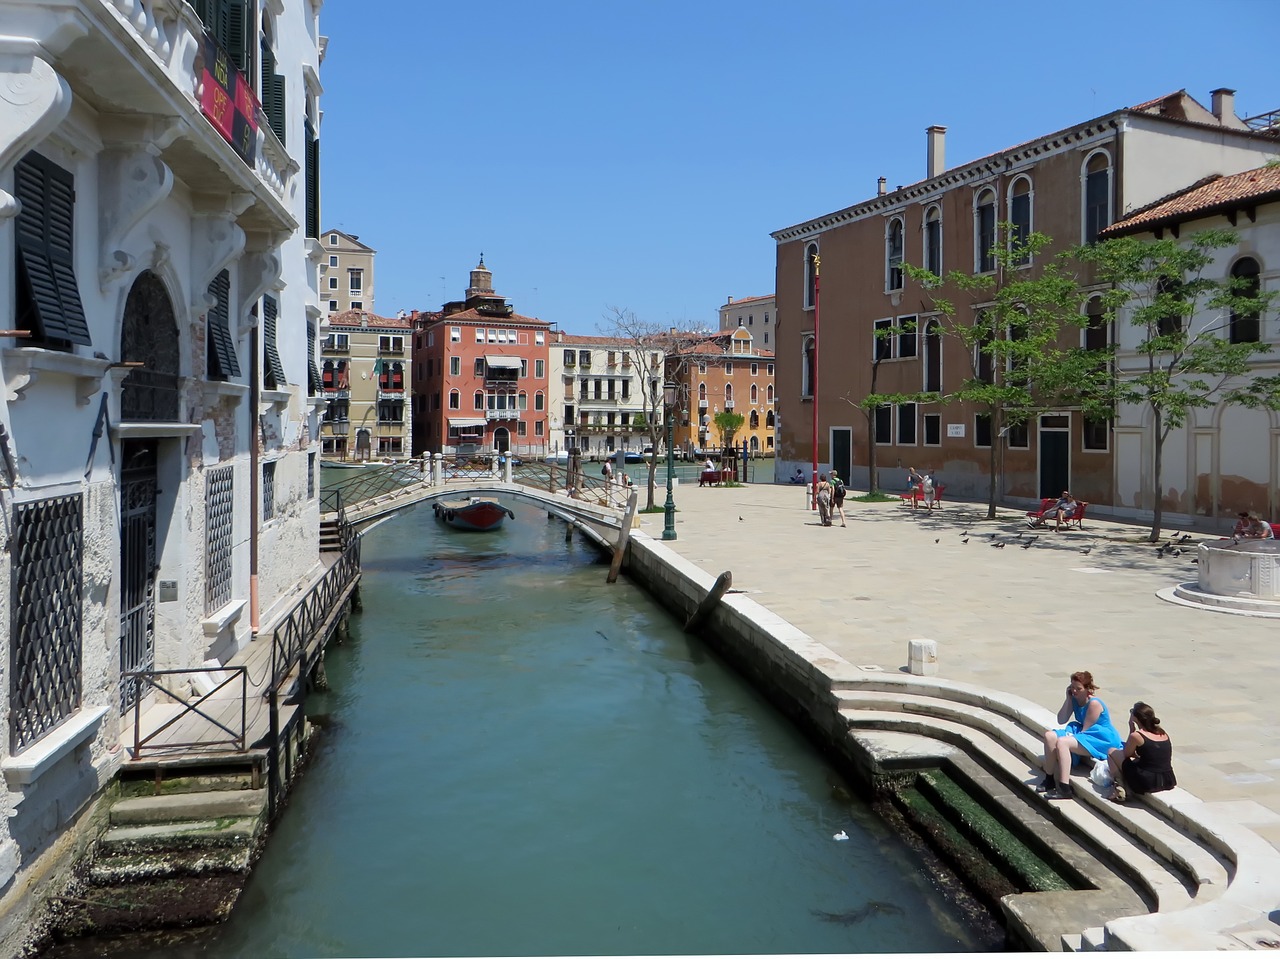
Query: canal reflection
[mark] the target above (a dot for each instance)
(518, 759)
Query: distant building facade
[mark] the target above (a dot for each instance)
(346, 273)
(599, 399)
(365, 381)
(480, 375)
(758, 314)
(725, 372)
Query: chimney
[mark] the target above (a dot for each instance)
(728, 301)
(880, 184)
(937, 152)
(1224, 104)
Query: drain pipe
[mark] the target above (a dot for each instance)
(254, 434)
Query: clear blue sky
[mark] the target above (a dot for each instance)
(639, 154)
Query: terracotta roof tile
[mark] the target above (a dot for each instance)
(1216, 194)
(748, 299)
(475, 316)
(356, 318)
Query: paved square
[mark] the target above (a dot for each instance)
(1012, 619)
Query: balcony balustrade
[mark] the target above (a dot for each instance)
(502, 414)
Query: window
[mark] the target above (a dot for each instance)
(1245, 327)
(883, 343)
(478, 400)
(539, 401)
(333, 306)
(48, 297)
(455, 334)
(907, 337)
(524, 369)
(1020, 218)
(982, 429)
(273, 370)
(884, 425)
(333, 261)
(333, 239)
(522, 401)
(755, 369)
(273, 85)
(702, 367)
(1097, 195)
(755, 393)
(932, 357)
(1169, 304)
(1018, 437)
(806, 367)
(539, 369)
(45, 625)
(983, 359)
(728, 394)
(479, 334)
(391, 344)
(219, 513)
(356, 280)
(311, 175)
(455, 400)
(221, 363)
(933, 241)
(478, 369)
(932, 429)
(907, 424)
(768, 394)
(810, 275)
(539, 337)
(538, 428)
(337, 411)
(728, 369)
(769, 370)
(357, 305)
(584, 359)
(268, 491)
(336, 343)
(1097, 433)
(750, 320)
(333, 282)
(984, 227)
(455, 366)
(1097, 334)
(311, 476)
(893, 255)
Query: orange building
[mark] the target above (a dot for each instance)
(479, 375)
(724, 372)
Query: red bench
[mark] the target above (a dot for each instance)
(915, 496)
(714, 477)
(1077, 517)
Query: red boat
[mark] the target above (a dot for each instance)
(477, 515)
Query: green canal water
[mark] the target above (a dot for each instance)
(517, 759)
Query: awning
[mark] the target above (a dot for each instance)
(503, 362)
(467, 421)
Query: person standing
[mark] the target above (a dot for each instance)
(824, 500)
(837, 497)
(1145, 763)
(924, 481)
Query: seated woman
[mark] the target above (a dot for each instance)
(1063, 509)
(1252, 526)
(1089, 733)
(1145, 764)
(798, 476)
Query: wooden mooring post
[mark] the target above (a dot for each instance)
(718, 589)
(620, 550)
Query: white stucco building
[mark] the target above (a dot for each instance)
(1227, 457)
(597, 393)
(158, 260)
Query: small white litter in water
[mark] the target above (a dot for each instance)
(840, 836)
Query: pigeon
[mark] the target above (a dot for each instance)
(965, 540)
(1087, 550)
(937, 541)
(966, 532)
(997, 545)
(1184, 537)
(1194, 559)
(1027, 545)
(1177, 552)
(739, 519)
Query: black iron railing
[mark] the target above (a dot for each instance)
(233, 735)
(305, 628)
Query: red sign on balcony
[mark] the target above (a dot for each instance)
(229, 102)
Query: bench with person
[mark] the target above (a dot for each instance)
(915, 496)
(714, 477)
(1049, 508)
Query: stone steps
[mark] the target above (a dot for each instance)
(189, 806)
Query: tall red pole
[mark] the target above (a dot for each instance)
(817, 298)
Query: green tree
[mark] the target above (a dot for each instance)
(1197, 336)
(1016, 365)
(728, 423)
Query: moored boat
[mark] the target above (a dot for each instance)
(477, 514)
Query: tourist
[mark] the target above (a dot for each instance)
(1252, 526)
(1145, 763)
(1063, 509)
(798, 476)
(925, 483)
(607, 472)
(824, 500)
(837, 497)
(1088, 732)
(709, 466)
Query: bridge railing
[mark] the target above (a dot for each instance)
(374, 481)
(579, 485)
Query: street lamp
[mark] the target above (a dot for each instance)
(670, 393)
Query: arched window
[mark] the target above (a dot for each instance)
(893, 255)
(479, 399)
(755, 393)
(933, 241)
(1245, 327)
(702, 391)
(539, 401)
(1096, 195)
(810, 275)
(1170, 305)
(1020, 218)
(455, 400)
(806, 369)
(768, 420)
(728, 393)
(524, 400)
(755, 420)
(328, 379)
(984, 231)
(1096, 333)
(768, 394)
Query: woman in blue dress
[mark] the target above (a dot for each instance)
(1088, 732)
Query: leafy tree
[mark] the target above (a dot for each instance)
(1185, 322)
(1017, 367)
(728, 423)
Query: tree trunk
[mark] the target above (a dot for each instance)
(994, 464)
(1157, 479)
(872, 486)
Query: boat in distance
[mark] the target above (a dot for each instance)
(475, 515)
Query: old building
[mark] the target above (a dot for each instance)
(1227, 457)
(159, 245)
(601, 400)
(480, 375)
(346, 273)
(724, 372)
(840, 278)
(365, 382)
(757, 313)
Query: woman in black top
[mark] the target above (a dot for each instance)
(1145, 764)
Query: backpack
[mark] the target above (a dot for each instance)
(604, 470)
(837, 487)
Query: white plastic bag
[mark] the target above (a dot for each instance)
(1100, 775)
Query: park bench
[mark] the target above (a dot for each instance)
(714, 477)
(915, 496)
(1077, 517)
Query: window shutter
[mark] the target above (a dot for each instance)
(313, 180)
(313, 372)
(274, 378)
(45, 233)
(273, 95)
(221, 348)
(236, 39)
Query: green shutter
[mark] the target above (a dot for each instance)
(273, 92)
(273, 378)
(313, 180)
(49, 298)
(222, 363)
(238, 35)
(313, 372)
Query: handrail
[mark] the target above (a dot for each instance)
(555, 478)
(291, 636)
(148, 677)
(369, 483)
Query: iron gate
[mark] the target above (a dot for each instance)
(137, 565)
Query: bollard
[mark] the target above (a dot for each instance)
(922, 657)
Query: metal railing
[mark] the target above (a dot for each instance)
(579, 485)
(304, 626)
(149, 679)
(374, 481)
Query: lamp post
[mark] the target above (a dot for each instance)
(670, 392)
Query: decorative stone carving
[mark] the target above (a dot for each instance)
(259, 272)
(216, 240)
(33, 100)
(132, 181)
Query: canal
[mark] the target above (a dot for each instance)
(518, 759)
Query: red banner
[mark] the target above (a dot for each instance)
(228, 101)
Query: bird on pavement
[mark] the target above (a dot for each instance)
(1087, 550)
(937, 540)
(965, 540)
(997, 545)
(739, 519)
(966, 532)
(1026, 545)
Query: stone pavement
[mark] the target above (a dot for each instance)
(1013, 620)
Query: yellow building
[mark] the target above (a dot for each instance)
(364, 376)
(725, 372)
